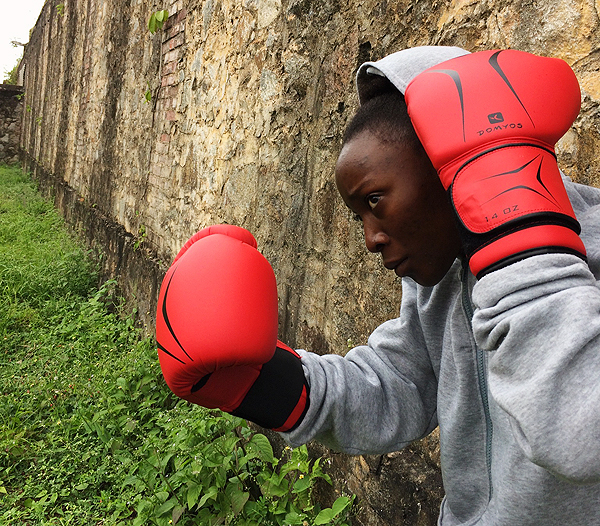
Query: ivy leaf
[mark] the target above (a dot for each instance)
(328, 514)
(166, 507)
(177, 513)
(210, 494)
(157, 20)
(152, 23)
(238, 497)
(340, 504)
(276, 486)
(193, 493)
(302, 484)
(293, 517)
(324, 517)
(260, 443)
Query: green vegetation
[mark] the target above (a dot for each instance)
(157, 20)
(89, 432)
(12, 76)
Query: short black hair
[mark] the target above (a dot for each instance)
(384, 115)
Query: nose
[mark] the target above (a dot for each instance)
(375, 238)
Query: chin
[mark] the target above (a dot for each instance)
(427, 275)
(427, 282)
(424, 281)
(429, 279)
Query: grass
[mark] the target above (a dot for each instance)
(89, 432)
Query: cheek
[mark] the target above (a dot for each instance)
(437, 232)
(416, 229)
(437, 208)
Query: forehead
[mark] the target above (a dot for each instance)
(366, 158)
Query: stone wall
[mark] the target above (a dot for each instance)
(248, 103)
(11, 107)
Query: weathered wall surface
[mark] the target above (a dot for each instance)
(11, 107)
(249, 100)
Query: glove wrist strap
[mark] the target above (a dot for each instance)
(279, 398)
(530, 241)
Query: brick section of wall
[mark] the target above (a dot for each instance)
(166, 97)
(11, 108)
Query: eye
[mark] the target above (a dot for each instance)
(372, 201)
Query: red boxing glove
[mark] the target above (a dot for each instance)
(216, 331)
(489, 122)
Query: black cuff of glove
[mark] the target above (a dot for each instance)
(473, 242)
(279, 391)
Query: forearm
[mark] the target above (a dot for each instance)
(541, 319)
(363, 402)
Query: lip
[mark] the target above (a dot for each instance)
(395, 264)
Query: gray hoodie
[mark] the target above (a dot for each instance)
(508, 367)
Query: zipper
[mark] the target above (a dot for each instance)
(481, 359)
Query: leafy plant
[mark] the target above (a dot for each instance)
(12, 76)
(157, 20)
(155, 23)
(89, 432)
(140, 238)
(148, 94)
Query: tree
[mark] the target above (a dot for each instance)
(12, 76)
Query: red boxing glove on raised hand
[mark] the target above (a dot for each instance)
(216, 330)
(489, 122)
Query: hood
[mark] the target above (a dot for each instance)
(400, 68)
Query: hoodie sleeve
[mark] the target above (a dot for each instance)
(540, 319)
(379, 397)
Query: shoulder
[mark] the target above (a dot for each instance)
(583, 197)
(586, 204)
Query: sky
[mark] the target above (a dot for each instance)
(18, 17)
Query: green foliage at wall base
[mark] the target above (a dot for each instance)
(89, 431)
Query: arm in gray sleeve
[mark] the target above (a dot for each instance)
(377, 398)
(541, 320)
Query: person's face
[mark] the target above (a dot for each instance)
(406, 215)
